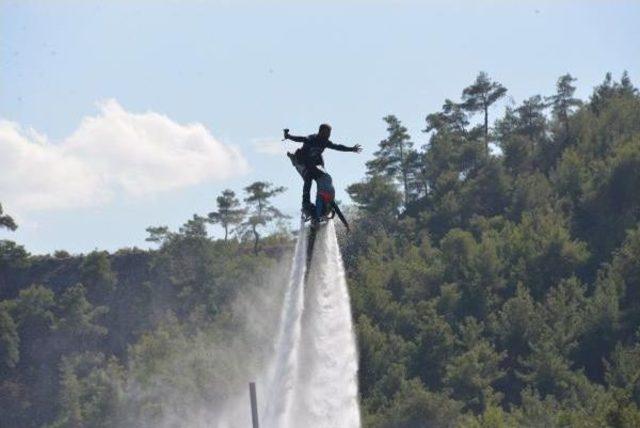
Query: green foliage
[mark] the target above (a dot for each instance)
(91, 392)
(610, 90)
(12, 255)
(61, 254)
(7, 221)
(492, 417)
(194, 228)
(540, 251)
(229, 213)
(260, 209)
(435, 344)
(377, 196)
(526, 308)
(35, 306)
(77, 317)
(488, 289)
(394, 156)
(158, 234)
(95, 355)
(472, 373)
(481, 95)
(9, 341)
(486, 193)
(452, 119)
(415, 407)
(98, 276)
(562, 102)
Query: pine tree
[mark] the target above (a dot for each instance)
(9, 341)
(98, 276)
(608, 90)
(602, 94)
(377, 196)
(7, 221)
(452, 118)
(626, 87)
(259, 207)
(158, 234)
(78, 317)
(472, 374)
(479, 97)
(229, 212)
(194, 227)
(563, 102)
(531, 120)
(417, 179)
(391, 159)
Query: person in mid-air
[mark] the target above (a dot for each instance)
(308, 159)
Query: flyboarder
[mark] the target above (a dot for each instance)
(309, 163)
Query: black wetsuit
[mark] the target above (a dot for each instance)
(310, 155)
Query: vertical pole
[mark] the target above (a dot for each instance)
(254, 404)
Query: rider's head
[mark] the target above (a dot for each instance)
(325, 131)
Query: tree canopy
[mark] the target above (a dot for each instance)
(489, 288)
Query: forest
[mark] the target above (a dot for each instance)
(493, 268)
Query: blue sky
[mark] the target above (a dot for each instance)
(230, 75)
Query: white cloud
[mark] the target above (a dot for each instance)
(114, 152)
(35, 174)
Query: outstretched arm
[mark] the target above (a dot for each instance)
(295, 138)
(341, 148)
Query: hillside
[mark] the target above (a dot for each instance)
(494, 275)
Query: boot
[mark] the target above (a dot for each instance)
(308, 209)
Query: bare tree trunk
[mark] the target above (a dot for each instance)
(564, 118)
(486, 130)
(404, 175)
(256, 239)
(406, 192)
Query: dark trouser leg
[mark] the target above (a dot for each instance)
(306, 191)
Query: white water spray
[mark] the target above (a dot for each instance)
(284, 370)
(314, 378)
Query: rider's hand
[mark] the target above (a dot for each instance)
(286, 133)
(357, 148)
